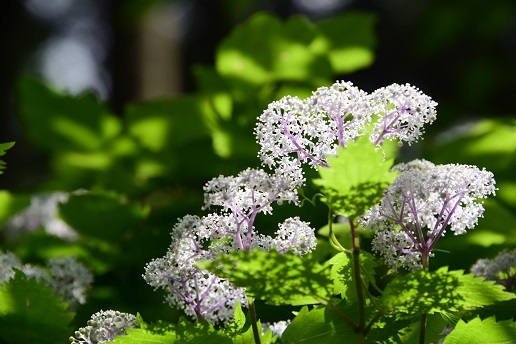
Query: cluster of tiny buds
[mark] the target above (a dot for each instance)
(65, 275)
(239, 200)
(103, 326)
(294, 131)
(501, 269)
(420, 206)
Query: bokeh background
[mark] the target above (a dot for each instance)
(137, 76)
(460, 52)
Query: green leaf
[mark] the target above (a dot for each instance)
(139, 336)
(166, 124)
(435, 324)
(356, 178)
(247, 336)
(318, 326)
(236, 326)
(264, 49)
(172, 132)
(168, 333)
(325, 326)
(342, 273)
(486, 331)
(57, 122)
(440, 291)
(275, 278)
(3, 148)
(40, 245)
(103, 216)
(349, 39)
(503, 310)
(10, 204)
(31, 313)
(241, 331)
(200, 332)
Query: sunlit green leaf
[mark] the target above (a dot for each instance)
(342, 274)
(479, 331)
(356, 178)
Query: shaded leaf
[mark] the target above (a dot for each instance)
(139, 336)
(3, 148)
(319, 325)
(325, 326)
(167, 333)
(435, 324)
(31, 313)
(265, 49)
(10, 204)
(102, 216)
(350, 40)
(440, 291)
(165, 124)
(58, 122)
(275, 278)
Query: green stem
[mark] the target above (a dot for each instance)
(422, 322)
(328, 304)
(422, 328)
(254, 322)
(358, 280)
(371, 323)
(334, 242)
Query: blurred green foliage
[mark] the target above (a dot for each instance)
(144, 168)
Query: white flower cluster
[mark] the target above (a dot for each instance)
(252, 190)
(292, 131)
(294, 235)
(198, 292)
(42, 213)
(239, 199)
(8, 261)
(403, 110)
(501, 269)
(103, 327)
(424, 202)
(70, 279)
(276, 328)
(66, 276)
